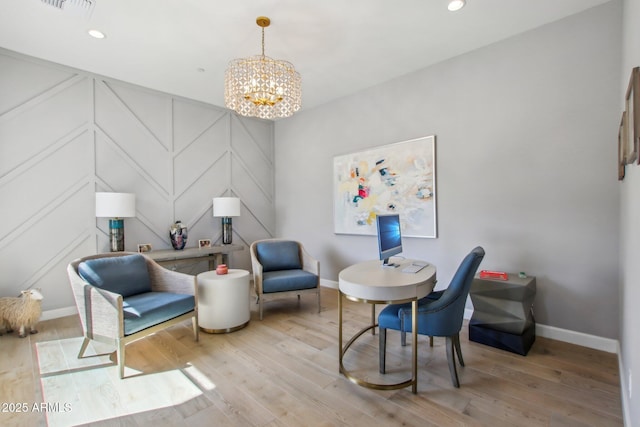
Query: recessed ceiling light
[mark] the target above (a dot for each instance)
(456, 5)
(96, 34)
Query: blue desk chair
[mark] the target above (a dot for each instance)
(440, 314)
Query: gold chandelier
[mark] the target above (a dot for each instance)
(262, 87)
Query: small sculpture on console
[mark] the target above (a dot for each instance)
(178, 235)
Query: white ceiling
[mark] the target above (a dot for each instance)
(339, 46)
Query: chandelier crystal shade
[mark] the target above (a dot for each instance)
(259, 86)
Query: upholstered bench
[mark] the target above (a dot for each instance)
(123, 297)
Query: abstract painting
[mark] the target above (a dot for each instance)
(394, 178)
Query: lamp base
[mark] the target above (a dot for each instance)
(227, 232)
(116, 234)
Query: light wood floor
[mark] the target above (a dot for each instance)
(283, 371)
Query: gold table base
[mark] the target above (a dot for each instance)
(413, 382)
(224, 331)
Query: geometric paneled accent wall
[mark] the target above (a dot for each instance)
(65, 134)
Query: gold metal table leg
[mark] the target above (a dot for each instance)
(414, 330)
(413, 382)
(373, 318)
(340, 353)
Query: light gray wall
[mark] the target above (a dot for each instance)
(526, 150)
(630, 235)
(65, 134)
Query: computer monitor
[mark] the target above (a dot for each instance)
(389, 237)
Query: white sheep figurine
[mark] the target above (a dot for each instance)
(21, 312)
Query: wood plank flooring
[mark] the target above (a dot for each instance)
(283, 371)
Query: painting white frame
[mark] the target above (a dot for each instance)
(393, 178)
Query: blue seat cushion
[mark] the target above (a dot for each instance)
(288, 280)
(125, 275)
(389, 317)
(151, 308)
(279, 255)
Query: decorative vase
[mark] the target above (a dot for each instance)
(178, 235)
(222, 269)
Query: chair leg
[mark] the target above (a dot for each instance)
(318, 300)
(382, 348)
(452, 362)
(83, 347)
(120, 355)
(430, 341)
(456, 342)
(196, 329)
(260, 307)
(403, 332)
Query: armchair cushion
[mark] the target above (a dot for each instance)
(288, 280)
(125, 275)
(151, 308)
(278, 255)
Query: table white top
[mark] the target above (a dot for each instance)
(233, 273)
(369, 280)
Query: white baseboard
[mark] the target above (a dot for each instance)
(624, 390)
(578, 338)
(572, 337)
(59, 312)
(328, 283)
(591, 341)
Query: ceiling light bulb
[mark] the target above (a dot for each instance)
(96, 34)
(456, 5)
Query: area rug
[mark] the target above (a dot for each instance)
(79, 391)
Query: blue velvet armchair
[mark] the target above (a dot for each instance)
(122, 297)
(283, 268)
(440, 314)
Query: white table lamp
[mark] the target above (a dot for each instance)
(226, 207)
(116, 206)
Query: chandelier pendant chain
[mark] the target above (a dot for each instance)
(263, 22)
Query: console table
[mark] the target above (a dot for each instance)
(369, 282)
(215, 255)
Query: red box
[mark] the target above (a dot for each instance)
(500, 275)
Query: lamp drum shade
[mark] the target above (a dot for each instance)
(115, 205)
(226, 206)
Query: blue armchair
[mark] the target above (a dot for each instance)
(122, 297)
(440, 314)
(283, 268)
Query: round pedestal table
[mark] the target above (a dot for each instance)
(372, 283)
(223, 301)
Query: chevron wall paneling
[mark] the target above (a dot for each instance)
(252, 178)
(65, 134)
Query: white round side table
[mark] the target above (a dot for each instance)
(223, 301)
